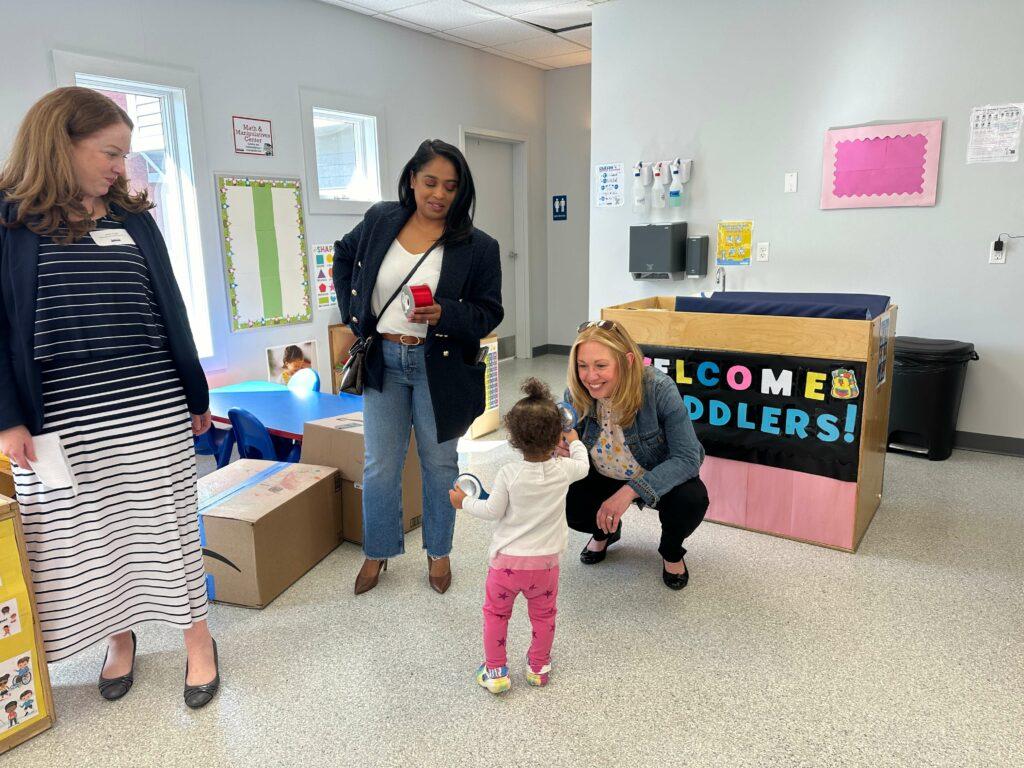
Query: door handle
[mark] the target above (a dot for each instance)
(513, 255)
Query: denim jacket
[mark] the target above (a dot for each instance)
(661, 439)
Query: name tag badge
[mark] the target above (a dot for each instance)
(109, 237)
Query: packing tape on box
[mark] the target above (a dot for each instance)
(249, 482)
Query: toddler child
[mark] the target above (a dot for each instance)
(528, 503)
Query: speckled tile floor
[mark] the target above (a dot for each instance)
(908, 653)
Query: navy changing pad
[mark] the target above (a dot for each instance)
(841, 306)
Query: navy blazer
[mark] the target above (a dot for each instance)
(468, 291)
(21, 390)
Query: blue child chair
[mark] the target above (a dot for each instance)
(255, 442)
(305, 380)
(217, 443)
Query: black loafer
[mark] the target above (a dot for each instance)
(114, 688)
(676, 581)
(588, 557)
(197, 696)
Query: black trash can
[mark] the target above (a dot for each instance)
(927, 382)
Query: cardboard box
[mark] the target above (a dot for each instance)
(339, 442)
(263, 524)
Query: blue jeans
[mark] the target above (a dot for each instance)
(404, 402)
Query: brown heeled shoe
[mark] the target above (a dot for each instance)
(439, 573)
(366, 581)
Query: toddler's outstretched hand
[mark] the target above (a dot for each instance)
(456, 496)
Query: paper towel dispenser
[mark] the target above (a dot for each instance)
(657, 251)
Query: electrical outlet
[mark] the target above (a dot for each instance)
(762, 251)
(994, 256)
(791, 180)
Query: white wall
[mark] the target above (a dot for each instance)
(251, 57)
(748, 90)
(567, 99)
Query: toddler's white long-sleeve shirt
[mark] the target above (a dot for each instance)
(528, 503)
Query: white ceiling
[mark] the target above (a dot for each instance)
(547, 34)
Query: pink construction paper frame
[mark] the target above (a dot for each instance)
(881, 166)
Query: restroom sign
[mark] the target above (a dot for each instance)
(559, 207)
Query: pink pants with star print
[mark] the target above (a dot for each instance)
(541, 590)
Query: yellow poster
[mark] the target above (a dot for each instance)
(734, 238)
(23, 690)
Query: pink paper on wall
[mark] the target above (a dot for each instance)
(881, 166)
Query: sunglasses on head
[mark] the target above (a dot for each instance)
(604, 325)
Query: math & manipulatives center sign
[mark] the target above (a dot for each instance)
(796, 413)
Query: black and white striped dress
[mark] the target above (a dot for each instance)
(126, 549)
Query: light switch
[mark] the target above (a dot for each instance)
(791, 181)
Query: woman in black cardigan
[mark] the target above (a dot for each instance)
(421, 369)
(96, 350)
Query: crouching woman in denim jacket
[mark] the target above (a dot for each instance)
(642, 448)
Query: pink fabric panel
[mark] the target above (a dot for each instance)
(770, 499)
(824, 510)
(780, 501)
(726, 481)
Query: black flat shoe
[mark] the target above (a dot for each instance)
(676, 581)
(589, 557)
(197, 696)
(114, 688)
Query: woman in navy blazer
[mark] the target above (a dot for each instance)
(421, 369)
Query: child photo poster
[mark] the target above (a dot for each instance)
(284, 361)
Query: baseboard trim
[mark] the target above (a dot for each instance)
(1005, 446)
(552, 349)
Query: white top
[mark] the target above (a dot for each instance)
(396, 265)
(528, 501)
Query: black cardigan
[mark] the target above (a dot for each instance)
(21, 391)
(469, 292)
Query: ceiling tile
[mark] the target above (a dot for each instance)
(453, 39)
(445, 14)
(375, 6)
(560, 16)
(567, 59)
(512, 7)
(404, 23)
(351, 6)
(540, 47)
(496, 32)
(582, 36)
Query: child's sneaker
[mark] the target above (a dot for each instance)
(538, 678)
(495, 680)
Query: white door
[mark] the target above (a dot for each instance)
(491, 164)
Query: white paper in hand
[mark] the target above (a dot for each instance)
(51, 465)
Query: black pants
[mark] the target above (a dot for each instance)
(681, 510)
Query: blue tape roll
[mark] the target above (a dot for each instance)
(569, 416)
(471, 485)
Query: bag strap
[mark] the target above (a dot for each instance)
(407, 277)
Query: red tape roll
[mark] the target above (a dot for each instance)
(416, 297)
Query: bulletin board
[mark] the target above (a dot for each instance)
(263, 234)
(26, 701)
(881, 166)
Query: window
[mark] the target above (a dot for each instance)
(346, 155)
(343, 156)
(161, 164)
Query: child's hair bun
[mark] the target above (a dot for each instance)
(536, 388)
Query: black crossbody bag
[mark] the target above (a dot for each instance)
(353, 375)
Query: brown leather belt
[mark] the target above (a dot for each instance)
(403, 339)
